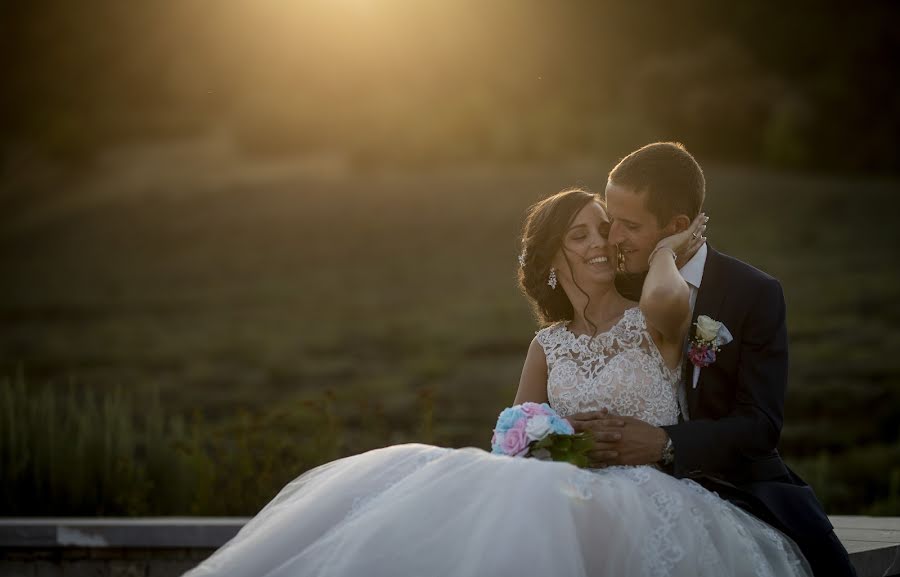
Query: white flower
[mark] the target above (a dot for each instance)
(707, 328)
(538, 427)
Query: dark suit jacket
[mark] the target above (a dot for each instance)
(737, 407)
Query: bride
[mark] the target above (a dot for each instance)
(414, 509)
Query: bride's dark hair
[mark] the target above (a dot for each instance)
(546, 223)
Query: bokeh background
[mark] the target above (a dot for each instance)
(242, 238)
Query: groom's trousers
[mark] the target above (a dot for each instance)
(825, 553)
(826, 556)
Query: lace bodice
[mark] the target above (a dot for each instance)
(620, 369)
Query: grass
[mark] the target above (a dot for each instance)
(78, 452)
(234, 296)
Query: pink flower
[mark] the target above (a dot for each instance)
(497, 443)
(534, 409)
(515, 441)
(702, 355)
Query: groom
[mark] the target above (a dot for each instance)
(733, 408)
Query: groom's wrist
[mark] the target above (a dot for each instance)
(667, 455)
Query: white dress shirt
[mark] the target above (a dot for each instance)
(692, 273)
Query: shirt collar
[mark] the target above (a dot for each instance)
(692, 271)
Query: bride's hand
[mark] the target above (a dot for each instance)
(686, 241)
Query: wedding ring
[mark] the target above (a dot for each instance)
(696, 234)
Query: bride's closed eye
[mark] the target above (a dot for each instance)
(603, 229)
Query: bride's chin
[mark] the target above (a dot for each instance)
(599, 280)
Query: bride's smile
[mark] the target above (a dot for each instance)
(586, 258)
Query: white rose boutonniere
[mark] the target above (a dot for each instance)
(707, 328)
(709, 336)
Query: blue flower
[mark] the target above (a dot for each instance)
(561, 426)
(508, 418)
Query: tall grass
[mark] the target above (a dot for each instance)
(78, 452)
(81, 453)
(843, 480)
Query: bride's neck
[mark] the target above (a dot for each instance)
(604, 307)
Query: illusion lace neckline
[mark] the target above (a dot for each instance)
(611, 332)
(612, 327)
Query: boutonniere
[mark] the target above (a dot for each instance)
(709, 336)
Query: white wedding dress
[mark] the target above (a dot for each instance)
(419, 510)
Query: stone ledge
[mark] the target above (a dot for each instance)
(147, 532)
(873, 543)
(168, 546)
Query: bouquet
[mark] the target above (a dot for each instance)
(536, 430)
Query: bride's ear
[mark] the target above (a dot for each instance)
(559, 261)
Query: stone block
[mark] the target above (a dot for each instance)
(127, 569)
(47, 569)
(84, 569)
(169, 568)
(16, 569)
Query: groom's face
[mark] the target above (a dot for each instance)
(634, 230)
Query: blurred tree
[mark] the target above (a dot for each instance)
(798, 85)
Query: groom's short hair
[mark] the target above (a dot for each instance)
(669, 177)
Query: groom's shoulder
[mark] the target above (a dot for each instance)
(738, 271)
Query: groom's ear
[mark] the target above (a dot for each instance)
(678, 223)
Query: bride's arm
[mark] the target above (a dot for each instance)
(665, 298)
(533, 382)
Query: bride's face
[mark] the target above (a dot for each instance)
(587, 250)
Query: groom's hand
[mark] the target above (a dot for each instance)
(640, 444)
(605, 430)
(620, 440)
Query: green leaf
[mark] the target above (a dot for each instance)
(563, 442)
(582, 445)
(544, 443)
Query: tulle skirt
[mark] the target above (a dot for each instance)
(413, 509)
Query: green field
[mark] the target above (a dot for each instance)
(243, 291)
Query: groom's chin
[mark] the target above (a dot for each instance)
(633, 262)
(634, 267)
(630, 284)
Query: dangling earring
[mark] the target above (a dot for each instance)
(551, 281)
(620, 260)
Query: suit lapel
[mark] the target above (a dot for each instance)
(709, 302)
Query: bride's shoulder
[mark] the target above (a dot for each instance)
(634, 313)
(551, 334)
(552, 329)
(632, 322)
(632, 308)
